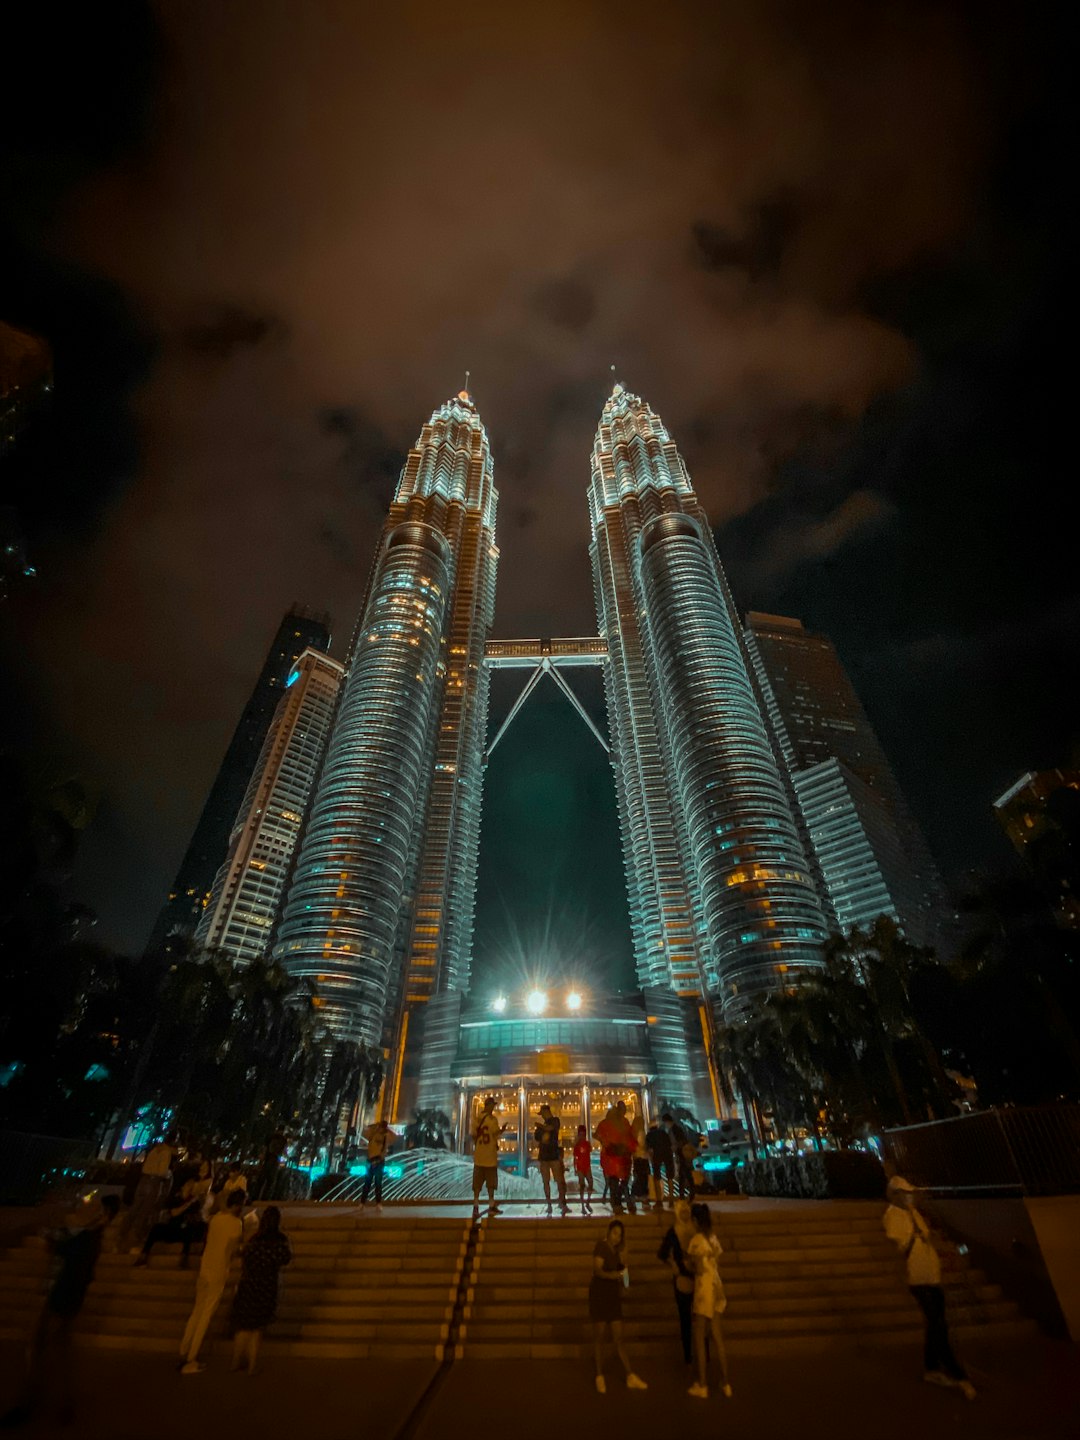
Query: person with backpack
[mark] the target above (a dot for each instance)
(907, 1229)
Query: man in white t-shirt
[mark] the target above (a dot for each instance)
(907, 1229)
(223, 1236)
(379, 1138)
(486, 1157)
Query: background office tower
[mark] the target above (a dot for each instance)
(1040, 813)
(380, 911)
(872, 856)
(249, 888)
(300, 630)
(721, 900)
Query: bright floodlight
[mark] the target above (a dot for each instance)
(499, 1004)
(573, 1001)
(537, 1002)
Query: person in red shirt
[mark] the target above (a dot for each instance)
(617, 1146)
(583, 1168)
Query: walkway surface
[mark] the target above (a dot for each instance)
(1029, 1392)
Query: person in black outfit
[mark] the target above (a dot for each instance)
(684, 1150)
(549, 1154)
(255, 1303)
(185, 1225)
(662, 1160)
(77, 1250)
(673, 1252)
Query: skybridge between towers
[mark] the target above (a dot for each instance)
(546, 657)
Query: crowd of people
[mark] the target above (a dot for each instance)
(194, 1206)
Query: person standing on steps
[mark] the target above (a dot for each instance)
(223, 1236)
(674, 1252)
(639, 1187)
(908, 1230)
(379, 1138)
(255, 1303)
(684, 1149)
(616, 1147)
(155, 1182)
(583, 1168)
(609, 1278)
(550, 1157)
(709, 1301)
(661, 1159)
(77, 1249)
(486, 1157)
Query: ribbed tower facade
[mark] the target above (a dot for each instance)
(247, 894)
(380, 912)
(721, 899)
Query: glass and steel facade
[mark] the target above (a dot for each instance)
(722, 903)
(379, 915)
(845, 785)
(247, 893)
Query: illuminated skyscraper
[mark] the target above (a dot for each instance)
(873, 857)
(721, 900)
(299, 630)
(249, 887)
(380, 911)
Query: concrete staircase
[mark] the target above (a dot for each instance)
(806, 1277)
(359, 1286)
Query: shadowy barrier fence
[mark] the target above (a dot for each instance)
(33, 1166)
(1023, 1150)
(815, 1175)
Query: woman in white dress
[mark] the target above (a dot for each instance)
(710, 1301)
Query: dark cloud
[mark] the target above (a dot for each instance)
(368, 456)
(568, 303)
(818, 239)
(759, 249)
(220, 330)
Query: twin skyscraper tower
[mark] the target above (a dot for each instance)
(379, 911)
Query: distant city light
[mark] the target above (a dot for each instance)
(573, 1001)
(499, 1004)
(536, 1002)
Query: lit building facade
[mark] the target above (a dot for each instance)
(246, 898)
(872, 855)
(722, 903)
(300, 630)
(379, 914)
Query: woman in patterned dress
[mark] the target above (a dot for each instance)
(255, 1302)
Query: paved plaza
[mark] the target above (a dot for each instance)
(1031, 1392)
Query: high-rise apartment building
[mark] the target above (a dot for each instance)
(721, 899)
(380, 911)
(299, 630)
(247, 894)
(872, 856)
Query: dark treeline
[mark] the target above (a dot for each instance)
(88, 1038)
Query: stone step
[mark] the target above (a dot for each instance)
(380, 1349)
(770, 1346)
(856, 1303)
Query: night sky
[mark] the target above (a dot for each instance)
(825, 242)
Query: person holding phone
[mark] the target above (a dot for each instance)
(609, 1279)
